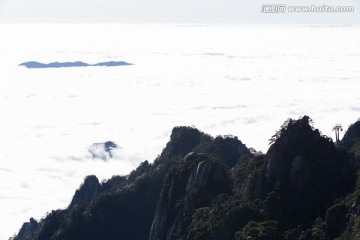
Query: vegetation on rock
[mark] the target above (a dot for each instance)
(200, 187)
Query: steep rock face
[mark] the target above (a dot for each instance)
(309, 171)
(292, 154)
(351, 136)
(345, 220)
(182, 141)
(113, 182)
(122, 212)
(27, 230)
(190, 185)
(49, 225)
(301, 155)
(228, 148)
(87, 192)
(335, 220)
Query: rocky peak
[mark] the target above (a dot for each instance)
(87, 192)
(27, 230)
(185, 140)
(351, 136)
(190, 184)
(113, 181)
(293, 151)
(206, 172)
(294, 132)
(228, 148)
(310, 170)
(182, 141)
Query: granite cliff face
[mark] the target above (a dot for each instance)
(200, 187)
(27, 230)
(301, 157)
(309, 170)
(190, 185)
(351, 136)
(87, 192)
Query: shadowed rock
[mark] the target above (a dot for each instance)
(351, 136)
(87, 192)
(27, 230)
(201, 187)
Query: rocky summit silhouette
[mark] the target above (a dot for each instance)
(200, 187)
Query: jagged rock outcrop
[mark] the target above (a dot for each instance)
(228, 148)
(344, 218)
(190, 185)
(351, 136)
(49, 225)
(301, 156)
(87, 192)
(204, 188)
(27, 230)
(113, 182)
(335, 220)
(182, 141)
(310, 170)
(297, 148)
(303, 174)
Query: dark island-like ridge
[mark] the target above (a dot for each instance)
(34, 64)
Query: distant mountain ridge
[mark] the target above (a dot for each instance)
(200, 188)
(103, 151)
(34, 64)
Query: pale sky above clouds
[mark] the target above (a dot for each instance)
(174, 11)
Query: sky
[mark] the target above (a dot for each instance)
(171, 11)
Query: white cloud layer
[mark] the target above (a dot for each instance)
(224, 79)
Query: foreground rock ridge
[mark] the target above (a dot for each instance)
(215, 188)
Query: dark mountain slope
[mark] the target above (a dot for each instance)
(87, 192)
(189, 185)
(126, 209)
(27, 230)
(293, 184)
(310, 172)
(351, 136)
(204, 188)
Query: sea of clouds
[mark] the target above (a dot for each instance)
(244, 80)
